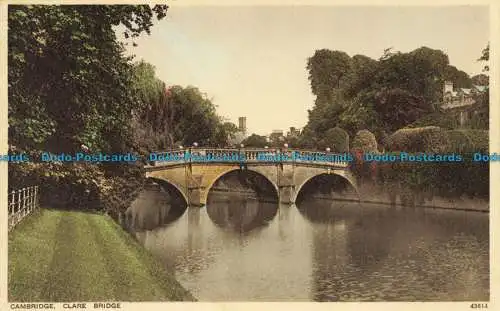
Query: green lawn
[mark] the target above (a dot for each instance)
(73, 256)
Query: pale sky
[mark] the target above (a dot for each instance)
(252, 60)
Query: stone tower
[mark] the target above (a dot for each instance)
(242, 124)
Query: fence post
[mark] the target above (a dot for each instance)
(12, 208)
(25, 202)
(28, 201)
(36, 197)
(19, 205)
(30, 195)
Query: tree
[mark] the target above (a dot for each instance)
(381, 95)
(68, 81)
(420, 72)
(326, 71)
(195, 116)
(481, 79)
(152, 117)
(224, 134)
(69, 84)
(361, 75)
(336, 139)
(256, 141)
(459, 78)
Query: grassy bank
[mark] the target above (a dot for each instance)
(72, 256)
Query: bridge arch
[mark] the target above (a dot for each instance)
(347, 176)
(166, 180)
(263, 174)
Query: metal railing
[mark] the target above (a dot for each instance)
(247, 155)
(22, 202)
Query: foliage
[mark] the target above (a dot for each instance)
(424, 139)
(70, 85)
(438, 118)
(460, 141)
(421, 180)
(68, 81)
(224, 133)
(481, 79)
(381, 95)
(336, 139)
(365, 141)
(485, 57)
(82, 186)
(326, 71)
(459, 78)
(255, 140)
(481, 117)
(195, 118)
(398, 90)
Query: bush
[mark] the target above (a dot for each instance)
(335, 138)
(445, 179)
(459, 141)
(423, 139)
(365, 141)
(80, 186)
(439, 119)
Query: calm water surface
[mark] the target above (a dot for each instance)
(246, 250)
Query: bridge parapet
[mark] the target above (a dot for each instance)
(195, 170)
(247, 155)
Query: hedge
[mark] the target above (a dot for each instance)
(427, 179)
(365, 141)
(335, 138)
(422, 139)
(81, 186)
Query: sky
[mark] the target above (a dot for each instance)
(251, 61)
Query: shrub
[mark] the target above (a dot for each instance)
(438, 178)
(439, 119)
(423, 139)
(335, 138)
(81, 186)
(365, 141)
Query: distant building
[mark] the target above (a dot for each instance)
(276, 135)
(461, 101)
(242, 124)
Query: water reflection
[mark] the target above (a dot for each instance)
(238, 248)
(330, 186)
(239, 213)
(361, 252)
(158, 204)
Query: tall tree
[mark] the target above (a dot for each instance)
(69, 83)
(481, 79)
(459, 78)
(195, 116)
(326, 70)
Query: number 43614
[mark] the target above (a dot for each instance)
(479, 306)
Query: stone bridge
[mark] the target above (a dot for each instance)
(195, 170)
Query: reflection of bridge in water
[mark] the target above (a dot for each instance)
(194, 172)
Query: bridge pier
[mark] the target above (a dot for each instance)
(286, 184)
(194, 195)
(286, 194)
(193, 178)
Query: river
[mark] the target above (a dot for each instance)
(243, 249)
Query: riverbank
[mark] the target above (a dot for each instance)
(73, 256)
(374, 194)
